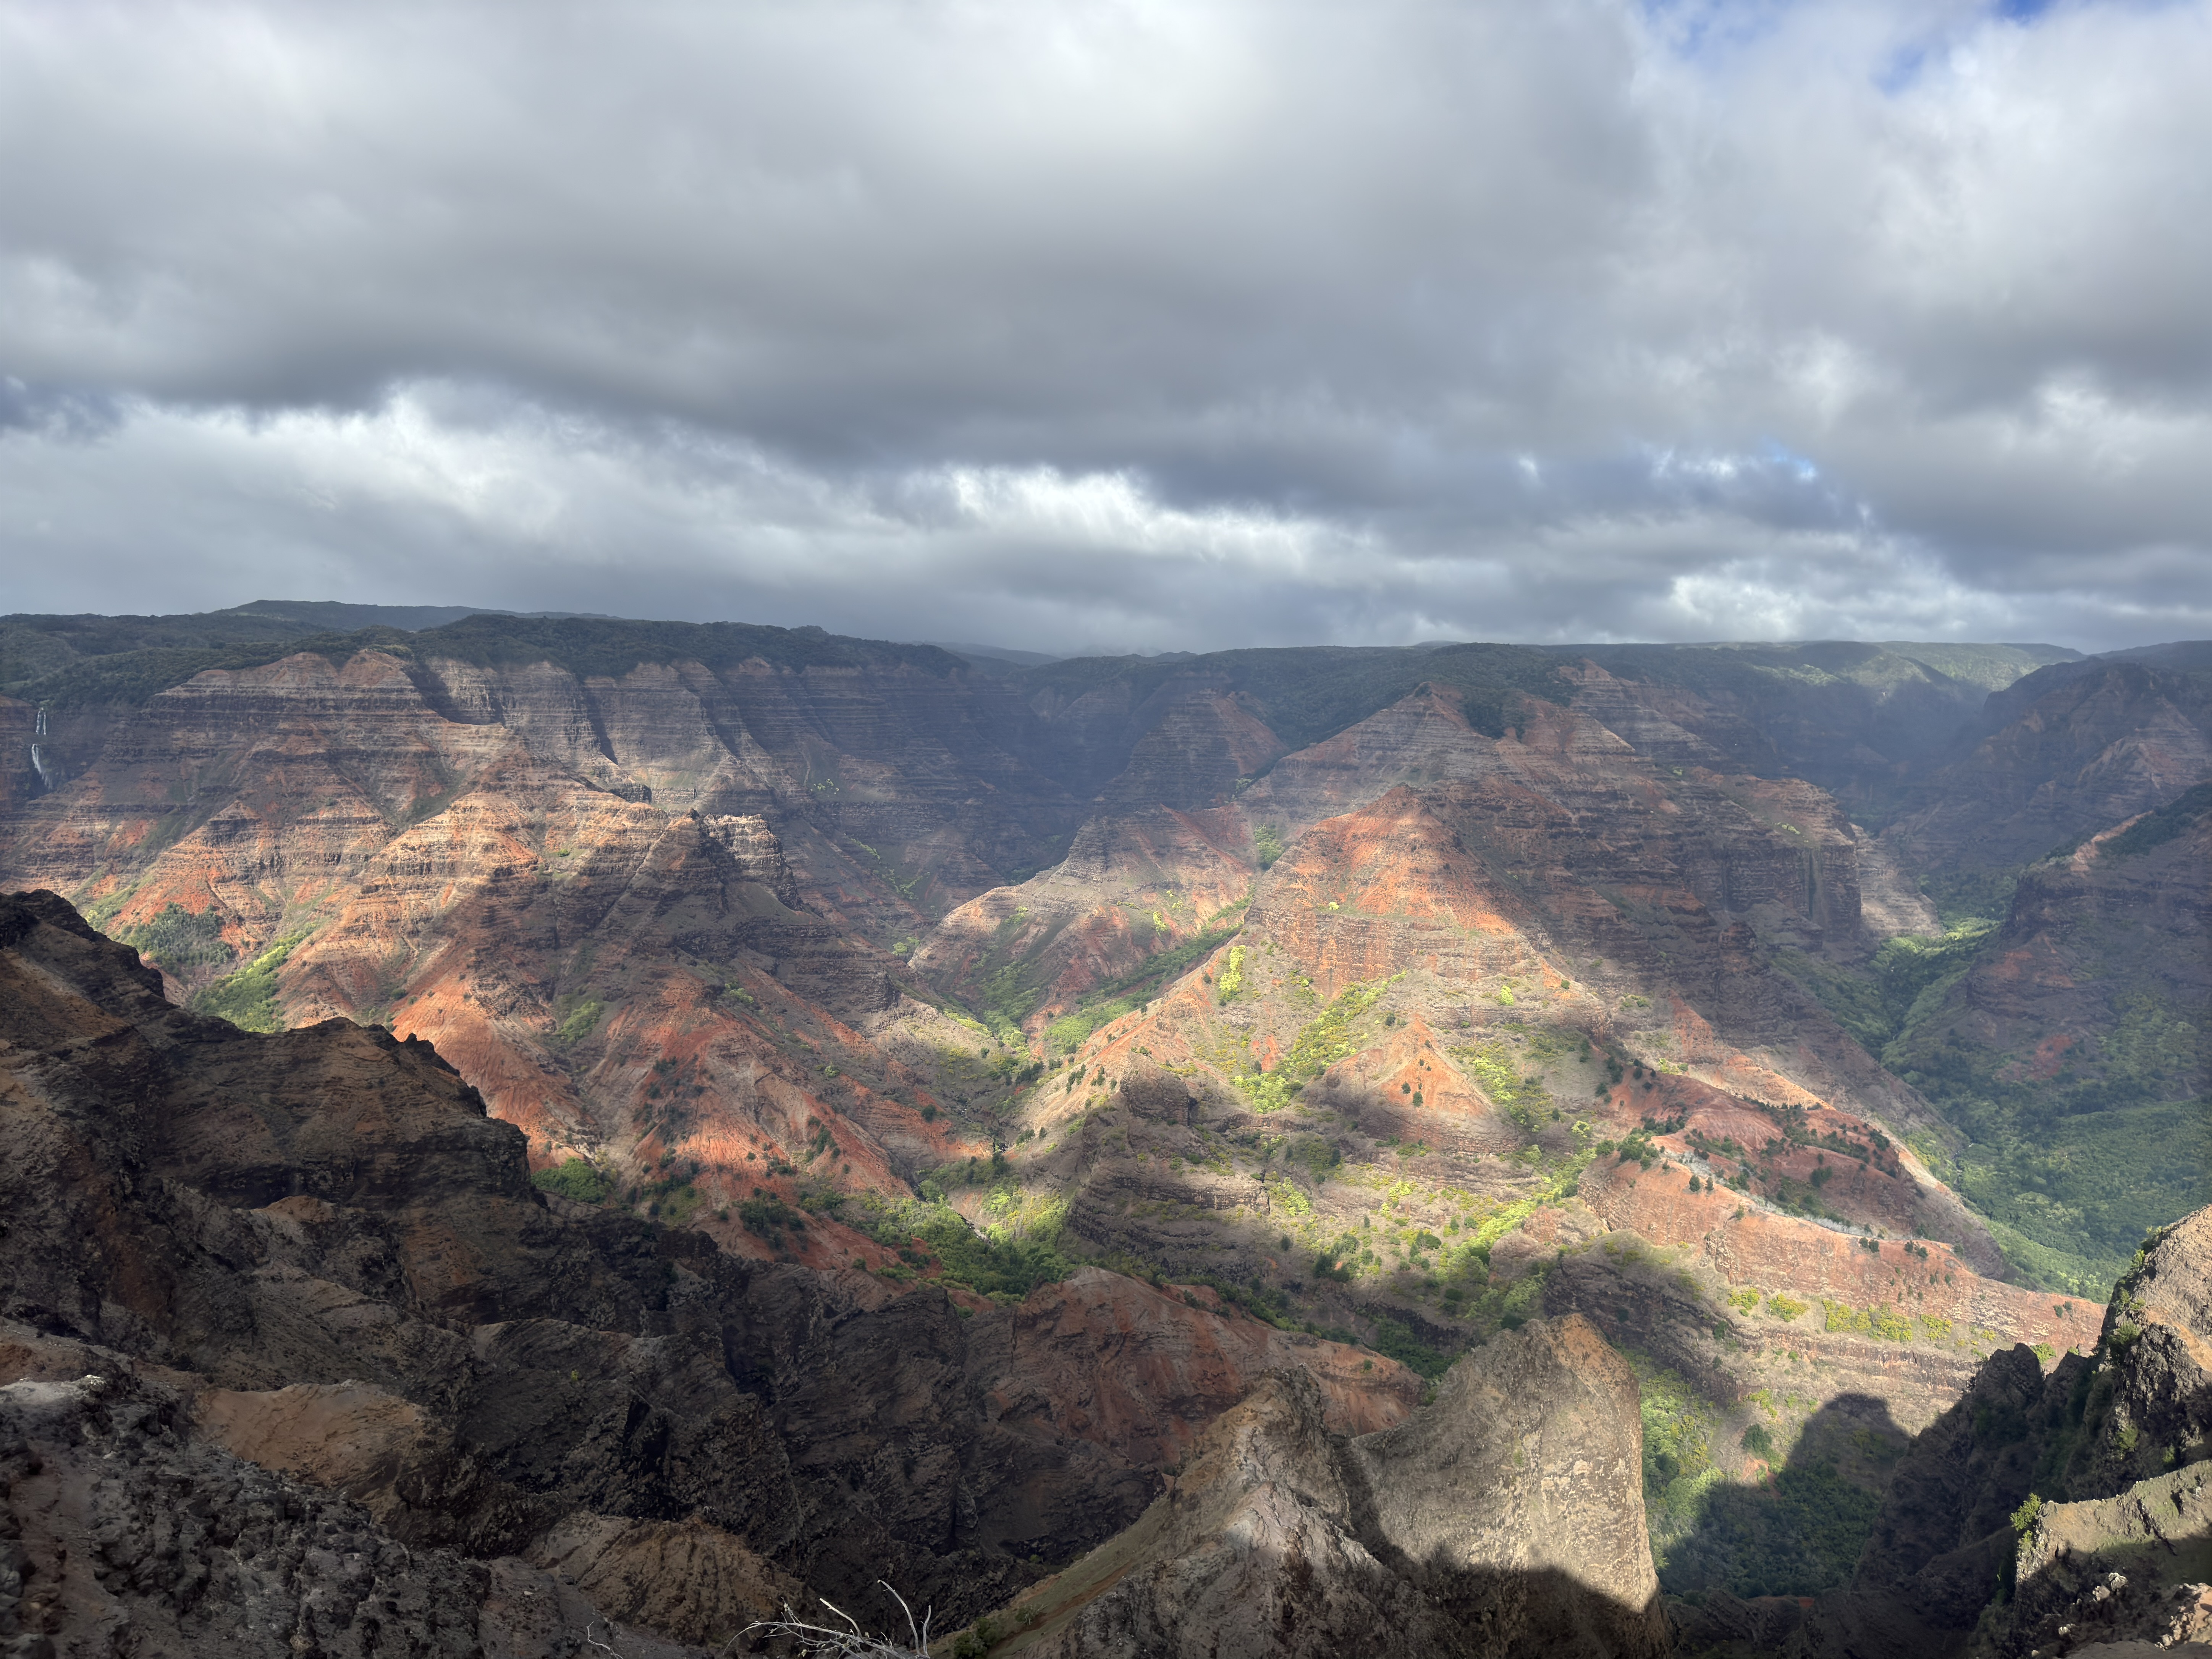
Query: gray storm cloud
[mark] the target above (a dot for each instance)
(1110, 326)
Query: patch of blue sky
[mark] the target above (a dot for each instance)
(1901, 70)
(1713, 28)
(1782, 456)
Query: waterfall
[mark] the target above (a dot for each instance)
(38, 759)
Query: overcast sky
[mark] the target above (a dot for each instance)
(1119, 326)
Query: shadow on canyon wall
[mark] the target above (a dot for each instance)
(1800, 1531)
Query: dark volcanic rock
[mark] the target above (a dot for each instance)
(120, 1533)
(1505, 1518)
(331, 1207)
(2042, 1514)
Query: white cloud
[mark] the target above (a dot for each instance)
(1121, 323)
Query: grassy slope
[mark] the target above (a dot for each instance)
(2070, 1169)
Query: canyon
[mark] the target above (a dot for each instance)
(1142, 1070)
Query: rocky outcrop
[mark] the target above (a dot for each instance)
(2133, 1568)
(2151, 1405)
(320, 1236)
(2049, 1512)
(1142, 1370)
(120, 1532)
(1506, 1517)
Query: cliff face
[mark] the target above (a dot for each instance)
(2052, 1509)
(314, 1251)
(2067, 1044)
(2126, 1552)
(1630, 880)
(1507, 1518)
(127, 1531)
(1340, 994)
(490, 861)
(2077, 750)
(2093, 985)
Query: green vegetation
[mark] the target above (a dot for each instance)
(1018, 1251)
(1907, 978)
(576, 1178)
(1880, 1320)
(2068, 1172)
(1267, 842)
(768, 1217)
(1679, 1425)
(1967, 899)
(1318, 1157)
(180, 939)
(1232, 974)
(2155, 829)
(1395, 1339)
(577, 1019)
(1323, 1041)
(1798, 1535)
(247, 998)
(101, 912)
(2068, 1201)
(1110, 1001)
(1525, 1100)
(2068, 1167)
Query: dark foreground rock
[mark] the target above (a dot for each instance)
(2046, 1513)
(1506, 1517)
(314, 1251)
(125, 1535)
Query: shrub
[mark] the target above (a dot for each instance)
(179, 940)
(1395, 1339)
(1890, 1325)
(1232, 974)
(579, 1024)
(767, 1217)
(247, 998)
(575, 1178)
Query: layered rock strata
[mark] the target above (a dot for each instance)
(316, 1251)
